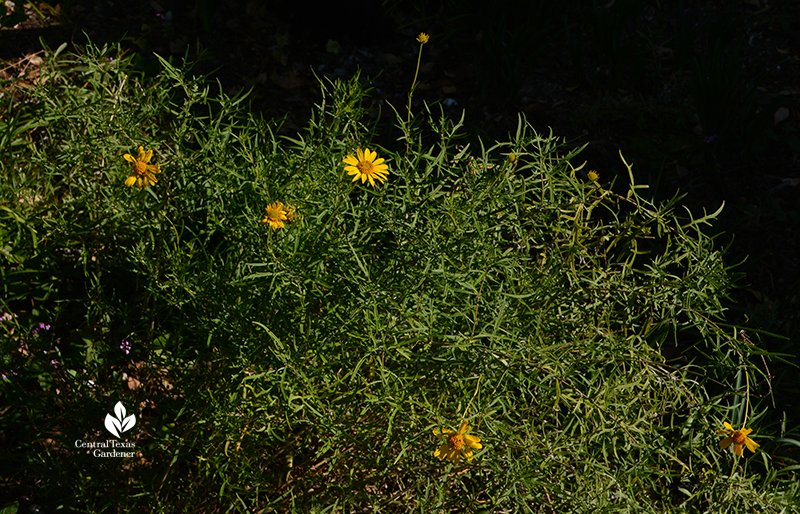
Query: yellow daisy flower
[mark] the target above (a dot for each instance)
(366, 166)
(423, 38)
(738, 438)
(276, 215)
(456, 445)
(593, 175)
(143, 173)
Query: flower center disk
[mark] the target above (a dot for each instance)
(365, 167)
(455, 441)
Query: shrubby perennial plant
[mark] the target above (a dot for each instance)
(303, 377)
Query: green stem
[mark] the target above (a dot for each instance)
(410, 94)
(473, 397)
(352, 186)
(746, 397)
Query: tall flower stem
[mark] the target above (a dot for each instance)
(473, 397)
(422, 38)
(414, 83)
(746, 397)
(746, 402)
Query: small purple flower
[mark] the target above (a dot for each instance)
(41, 328)
(709, 139)
(125, 346)
(54, 362)
(166, 19)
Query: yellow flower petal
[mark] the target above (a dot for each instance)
(276, 214)
(366, 167)
(472, 441)
(456, 445)
(143, 173)
(441, 432)
(738, 438)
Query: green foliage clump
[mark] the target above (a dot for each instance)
(579, 330)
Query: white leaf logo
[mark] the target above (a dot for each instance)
(119, 424)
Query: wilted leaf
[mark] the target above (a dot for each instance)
(781, 114)
(133, 383)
